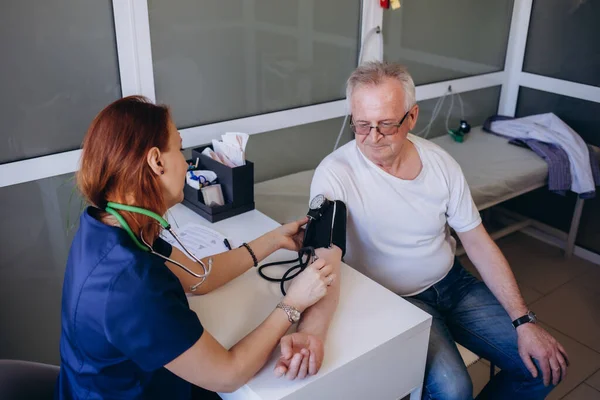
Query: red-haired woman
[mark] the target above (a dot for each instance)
(127, 329)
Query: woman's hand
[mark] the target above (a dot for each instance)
(310, 286)
(290, 236)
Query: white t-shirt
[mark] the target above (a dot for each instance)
(397, 233)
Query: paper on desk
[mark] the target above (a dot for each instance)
(199, 239)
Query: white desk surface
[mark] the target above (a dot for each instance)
(368, 317)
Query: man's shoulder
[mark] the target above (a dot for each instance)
(338, 162)
(335, 173)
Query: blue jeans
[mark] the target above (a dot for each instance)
(464, 310)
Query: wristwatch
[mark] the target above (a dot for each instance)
(292, 313)
(529, 317)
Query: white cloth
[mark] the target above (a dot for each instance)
(551, 129)
(397, 233)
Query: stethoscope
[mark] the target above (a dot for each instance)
(111, 209)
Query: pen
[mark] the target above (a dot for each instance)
(226, 242)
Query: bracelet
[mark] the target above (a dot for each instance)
(251, 253)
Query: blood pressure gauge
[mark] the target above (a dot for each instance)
(317, 202)
(317, 206)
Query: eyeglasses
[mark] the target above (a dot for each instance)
(384, 128)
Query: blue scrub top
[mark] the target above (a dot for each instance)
(124, 316)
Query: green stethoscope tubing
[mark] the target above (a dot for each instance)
(112, 208)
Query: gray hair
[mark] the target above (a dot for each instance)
(375, 72)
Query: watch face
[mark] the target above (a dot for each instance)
(295, 315)
(532, 316)
(317, 202)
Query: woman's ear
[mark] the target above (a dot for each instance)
(154, 159)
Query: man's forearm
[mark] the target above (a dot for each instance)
(495, 271)
(316, 319)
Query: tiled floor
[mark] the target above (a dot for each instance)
(565, 294)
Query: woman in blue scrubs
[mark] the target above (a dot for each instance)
(127, 329)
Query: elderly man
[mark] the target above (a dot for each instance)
(402, 193)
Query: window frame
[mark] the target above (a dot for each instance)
(132, 30)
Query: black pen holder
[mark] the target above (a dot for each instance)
(237, 185)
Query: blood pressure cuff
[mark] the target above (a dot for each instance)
(329, 228)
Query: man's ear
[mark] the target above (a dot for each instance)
(414, 115)
(154, 160)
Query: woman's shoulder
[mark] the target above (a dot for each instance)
(98, 244)
(104, 259)
(141, 270)
(104, 270)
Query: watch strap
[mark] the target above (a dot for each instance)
(527, 318)
(292, 313)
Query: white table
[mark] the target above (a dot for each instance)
(377, 342)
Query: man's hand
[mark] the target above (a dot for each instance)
(537, 343)
(302, 352)
(301, 356)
